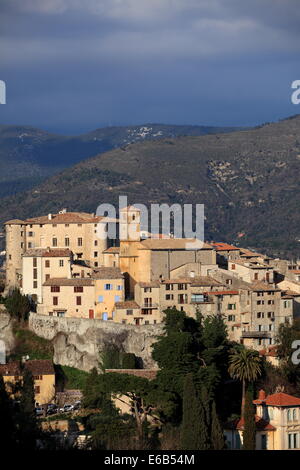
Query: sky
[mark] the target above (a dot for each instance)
(71, 66)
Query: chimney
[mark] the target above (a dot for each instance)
(49, 216)
(261, 395)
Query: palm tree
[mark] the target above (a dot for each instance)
(244, 365)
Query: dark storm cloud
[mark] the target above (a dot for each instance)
(72, 65)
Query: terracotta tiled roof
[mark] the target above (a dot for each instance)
(14, 222)
(65, 218)
(204, 281)
(64, 281)
(107, 273)
(263, 286)
(224, 247)
(261, 424)
(112, 249)
(279, 399)
(48, 252)
(170, 244)
(149, 284)
(149, 374)
(127, 304)
(223, 292)
(271, 351)
(37, 367)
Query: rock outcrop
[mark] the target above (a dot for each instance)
(6, 331)
(79, 342)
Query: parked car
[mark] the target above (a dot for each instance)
(77, 405)
(52, 409)
(66, 408)
(39, 411)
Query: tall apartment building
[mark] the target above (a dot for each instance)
(76, 231)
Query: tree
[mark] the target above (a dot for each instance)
(18, 305)
(217, 435)
(249, 433)
(244, 365)
(7, 429)
(28, 429)
(194, 432)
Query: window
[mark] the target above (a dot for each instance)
(30, 234)
(61, 263)
(79, 225)
(37, 389)
(255, 276)
(233, 266)
(117, 298)
(47, 277)
(108, 286)
(294, 414)
(78, 300)
(264, 442)
(34, 261)
(34, 273)
(229, 282)
(54, 241)
(67, 241)
(95, 254)
(270, 314)
(231, 317)
(169, 297)
(270, 302)
(67, 225)
(55, 300)
(231, 306)
(100, 298)
(47, 263)
(35, 284)
(55, 289)
(96, 243)
(197, 298)
(182, 286)
(292, 441)
(119, 287)
(78, 288)
(129, 312)
(147, 289)
(79, 241)
(169, 287)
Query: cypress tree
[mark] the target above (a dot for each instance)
(217, 435)
(6, 414)
(249, 433)
(194, 432)
(27, 420)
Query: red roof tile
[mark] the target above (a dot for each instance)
(224, 247)
(279, 399)
(261, 424)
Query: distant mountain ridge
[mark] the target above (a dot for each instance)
(248, 181)
(29, 155)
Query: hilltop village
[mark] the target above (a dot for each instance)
(68, 271)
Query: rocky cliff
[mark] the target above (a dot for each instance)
(6, 332)
(78, 342)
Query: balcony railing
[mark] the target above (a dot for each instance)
(255, 334)
(152, 305)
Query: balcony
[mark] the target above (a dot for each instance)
(256, 334)
(150, 305)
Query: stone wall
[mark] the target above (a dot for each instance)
(78, 342)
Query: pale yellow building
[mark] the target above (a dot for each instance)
(43, 376)
(277, 423)
(41, 264)
(80, 232)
